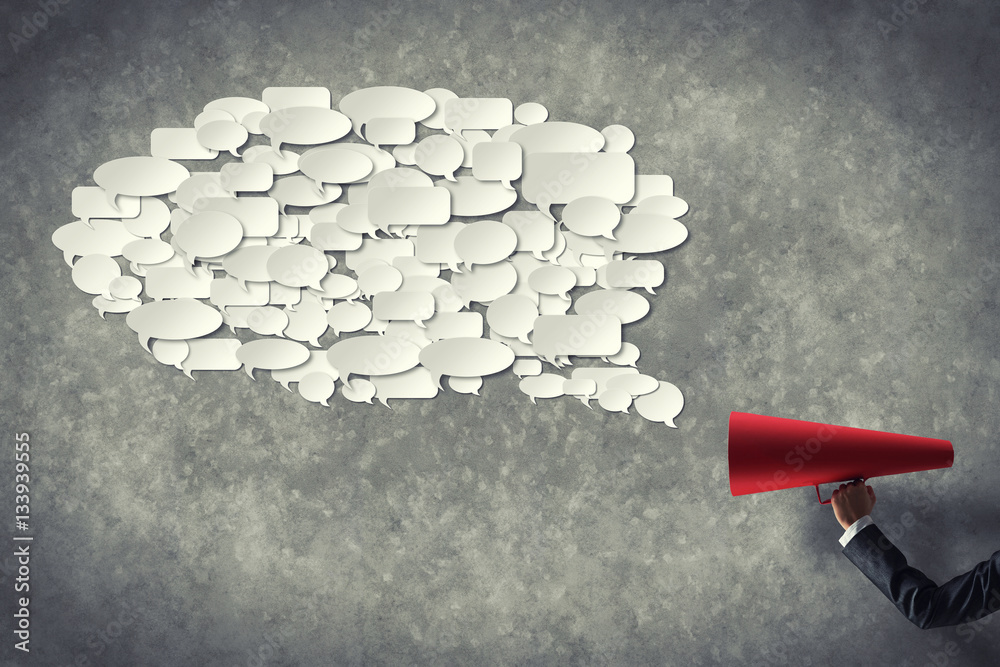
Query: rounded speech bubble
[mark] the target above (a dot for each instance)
(171, 352)
(618, 139)
(238, 107)
(267, 321)
(148, 251)
(662, 405)
(592, 216)
(114, 305)
(125, 287)
(582, 388)
(558, 137)
(627, 356)
(545, 385)
(484, 283)
(317, 388)
(373, 355)
(635, 385)
(223, 135)
(465, 357)
(304, 125)
(335, 165)
(530, 113)
(208, 234)
(249, 263)
(512, 316)
(379, 278)
(440, 155)
(615, 400)
(92, 274)
(466, 385)
(287, 162)
(173, 319)
(348, 317)
(298, 266)
(523, 367)
(153, 218)
(359, 390)
(626, 306)
(386, 101)
(271, 354)
(485, 242)
(668, 205)
(558, 280)
(139, 176)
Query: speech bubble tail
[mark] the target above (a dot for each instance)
(532, 399)
(314, 342)
(101, 311)
(544, 208)
(586, 401)
(318, 187)
(234, 153)
(437, 381)
(68, 257)
(451, 177)
(324, 403)
(609, 235)
(276, 146)
(420, 323)
(190, 267)
(384, 401)
(454, 268)
(476, 392)
(112, 198)
(670, 423)
(249, 371)
(145, 343)
(507, 185)
(187, 371)
(86, 220)
(650, 290)
(524, 338)
(286, 384)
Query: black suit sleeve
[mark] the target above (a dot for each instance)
(965, 598)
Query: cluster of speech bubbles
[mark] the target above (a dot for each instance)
(380, 213)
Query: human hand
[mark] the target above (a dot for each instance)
(852, 501)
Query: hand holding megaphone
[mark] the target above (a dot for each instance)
(852, 501)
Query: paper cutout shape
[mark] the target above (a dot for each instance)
(385, 312)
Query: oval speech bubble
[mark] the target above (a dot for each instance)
(545, 385)
(485, 242)
(627, 306)
(440, 155)
(267, 321)
(512, 316)
(140, 176)
(615, 400)
(271, 354)
(662, 405)
(298, 266)
(348, 316)
(592, 216)
(465, 357)
(373, 355)
(317, 388)
(304, 125)
(208, 234)
(223, 135)
(335, 165)
(174, 319)
(92, 274)
(558, 280)
(386, 101)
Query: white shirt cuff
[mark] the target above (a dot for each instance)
(856, 528)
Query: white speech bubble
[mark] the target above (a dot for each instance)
(512, 316)
(304, 126)
(306, 322)
(125, 287)
(671, 207)
(317, 388)
(477, 113)
(197, 190)
(373, 355)
(153, 218)
(114, 305)
(211, 115)
(238, 107)
(317, 363)
(379, 278)
(92, 274)
(626, 306)
(298, 266)
(337, 286)
(267, 321)
(662, 405)
(179, 143)
(257, 215)
(590, 335)
(416, 382)
(536, 232)
(436, 244)
(497, 161)
(525, 367)
(412, 306)
(223, 135)
(484, 282)
(270, 354)
(530, 113)
(485, 242)
(92, 202)
(615, 400)
(359, 390)
(465, 357)
(559, 178)
(302, 191)
(177, 319)
(246, 177)
(556, 280)
(148, 251)
(386, 101)
(440, 96)
(583, 388)
(335, 165)
(635, 385)
(545, 385)
(408, 206)
(617, 139)
(285, 163)
(627, 356)
(440, 155)
(228, 292)
(644, 233)
(171, 282)
(400, 177)
(592, 216)
(389, 130)
(635, 273)
(472, 197)
(211, 354)
(348, 317)
(170, 352)
(466, 385)
(208, 234)
(558, 137)
(283, 97)
(140, 176)
(249, 263)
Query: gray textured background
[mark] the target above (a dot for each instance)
(842, 267)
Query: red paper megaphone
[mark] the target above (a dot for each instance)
(771, 453)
